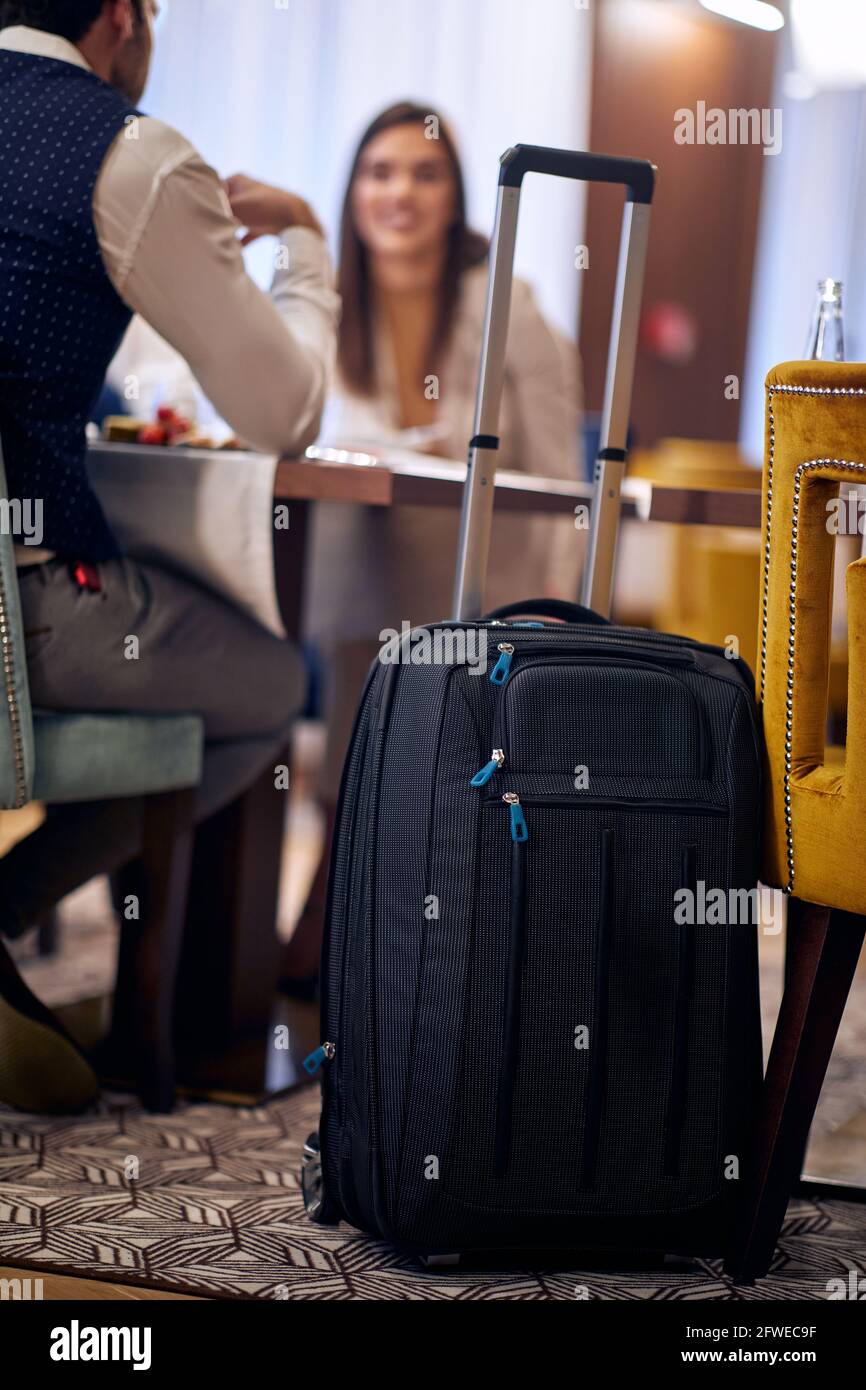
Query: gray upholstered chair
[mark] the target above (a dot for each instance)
(58, 757)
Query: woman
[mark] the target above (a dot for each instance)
(413, 279)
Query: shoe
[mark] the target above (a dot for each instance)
(41, 1068)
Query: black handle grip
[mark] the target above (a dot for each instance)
(638, 175)
(548, 608)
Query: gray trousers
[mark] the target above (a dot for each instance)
(196, 654)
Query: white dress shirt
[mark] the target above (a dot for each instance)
(168, 240)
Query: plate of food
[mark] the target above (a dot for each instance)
(169, 429)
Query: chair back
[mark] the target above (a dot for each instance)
(16, 716)
(815, 823)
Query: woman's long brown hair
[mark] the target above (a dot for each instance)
(357, 355)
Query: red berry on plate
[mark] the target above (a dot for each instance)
(152, 434)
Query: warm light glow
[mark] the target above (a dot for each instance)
(830, 41)
(758, 13)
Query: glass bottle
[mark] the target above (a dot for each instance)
(827, 334)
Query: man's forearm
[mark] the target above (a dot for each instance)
(170, 247)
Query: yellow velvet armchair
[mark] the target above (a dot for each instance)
(816, 807)
(814, 843)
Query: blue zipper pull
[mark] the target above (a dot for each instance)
(527, 624)
(518, 820)
(322, 1054)
(481, 778)
(499, 674)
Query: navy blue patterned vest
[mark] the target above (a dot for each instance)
(60, 317)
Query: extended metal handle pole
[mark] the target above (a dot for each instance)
(597, 589)
(638, 177)
(477, 515)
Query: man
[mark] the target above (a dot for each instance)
(104, 212)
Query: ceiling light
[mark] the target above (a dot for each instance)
(758, 13)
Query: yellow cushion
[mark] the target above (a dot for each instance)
(715, 588)
(714, 582)
(815, 440)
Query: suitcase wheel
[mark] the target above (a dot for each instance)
(317, 1204)
(440, 1261)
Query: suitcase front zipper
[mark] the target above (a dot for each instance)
(514, 980)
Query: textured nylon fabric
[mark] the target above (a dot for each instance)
(630, 697)
(419, 931)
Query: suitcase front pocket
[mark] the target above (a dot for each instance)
(579, 1000)
(617, 717)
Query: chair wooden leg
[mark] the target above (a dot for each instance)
(150, 945)
(823, 949)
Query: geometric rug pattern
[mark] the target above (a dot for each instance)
(207, 1201)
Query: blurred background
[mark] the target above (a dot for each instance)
(283, 91)
(282, 88)
(741, 234)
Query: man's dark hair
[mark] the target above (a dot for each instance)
(71, 19)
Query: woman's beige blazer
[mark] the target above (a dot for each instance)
(373, 568)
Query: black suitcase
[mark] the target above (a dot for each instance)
(527, 1044)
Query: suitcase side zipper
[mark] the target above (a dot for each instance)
(511, 1020)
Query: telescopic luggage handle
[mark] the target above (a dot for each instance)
(638, 175)
(638, 178)
(556, 608)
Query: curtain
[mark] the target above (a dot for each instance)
(281, 89)
(813, 225)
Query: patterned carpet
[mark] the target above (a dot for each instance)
(207, 1201)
